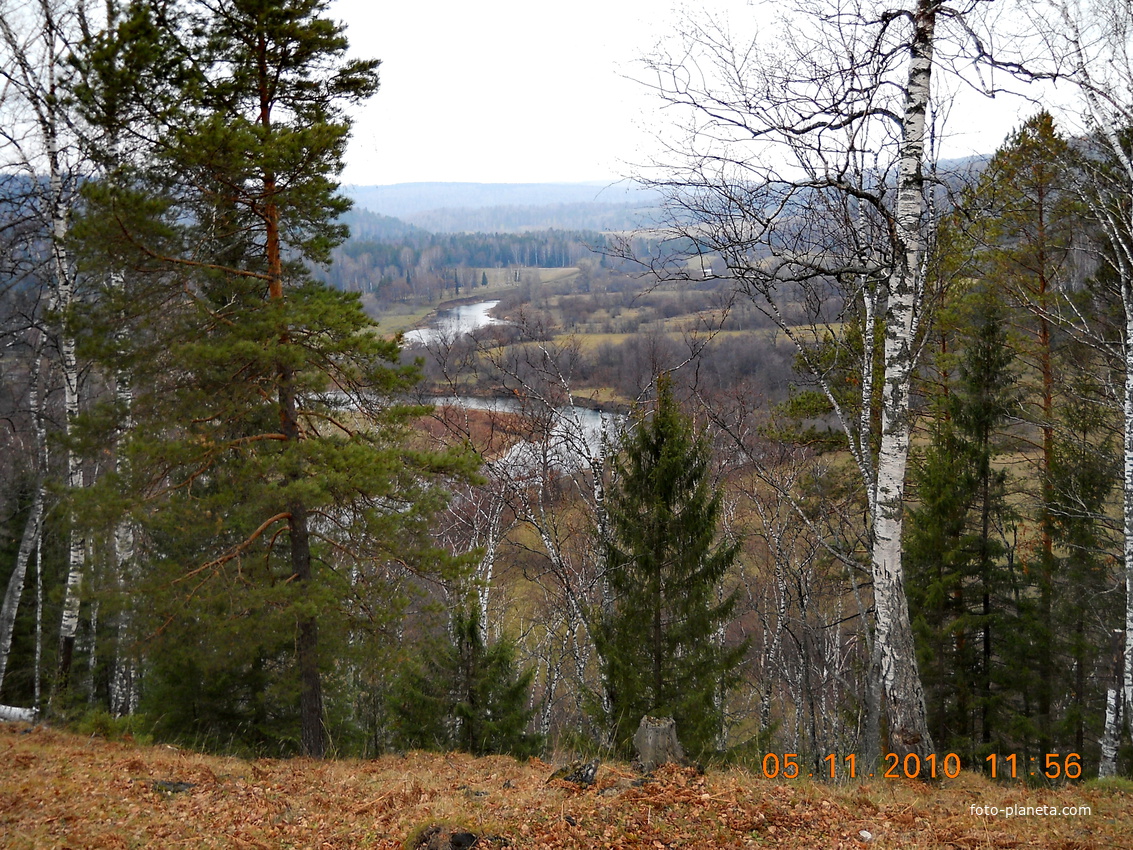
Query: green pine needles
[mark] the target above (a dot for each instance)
(264, 474)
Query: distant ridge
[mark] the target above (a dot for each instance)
(593, 205)
(407, 199)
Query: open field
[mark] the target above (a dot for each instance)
(60, 789)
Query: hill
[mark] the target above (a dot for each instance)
(65, 790)
(509, 207)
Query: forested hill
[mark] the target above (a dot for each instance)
(510, 207)
(385, 254)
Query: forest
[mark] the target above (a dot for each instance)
(832, 462)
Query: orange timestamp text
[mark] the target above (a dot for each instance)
(911, 767)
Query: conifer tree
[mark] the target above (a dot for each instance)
(265, 467)
(1083, 476)
(954, 544)
(1025, 217)
(466, 696)
(661, 643)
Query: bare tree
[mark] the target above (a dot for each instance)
(806, 164)
(33, 530)
(545, 468)
(1089, 43)
(38, 145)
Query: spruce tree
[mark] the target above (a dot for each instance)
(465, 696)
(954, 546)
(661, 642)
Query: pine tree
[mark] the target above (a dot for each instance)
(661, 643)
(1026, 217)
(265, 468)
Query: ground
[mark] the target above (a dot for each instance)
(62, 790)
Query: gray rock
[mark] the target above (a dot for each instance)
(579, 772)
(438, 837)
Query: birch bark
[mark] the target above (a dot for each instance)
(1091, 44)
(908, 729)
(32, 527)
(36, 42)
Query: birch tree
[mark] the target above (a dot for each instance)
(1089, 44)
(39, 145)
(805, 162)
(545, 462)
(33, 528)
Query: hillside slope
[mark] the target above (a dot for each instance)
(63, 790)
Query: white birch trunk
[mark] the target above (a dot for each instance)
(16, 581)
(1111, 737)
(28, 541)
(12, 714)
(64, 298)
(69, 624)
(908, 729)
(123, 683)
(34, 525)
(487, 566)
(38, 701)
(37, 53)
(1096, 40)
(1107, 763)
(1127, 502)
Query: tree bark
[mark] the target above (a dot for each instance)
(16, 581)
(908, 728)
(34, 526)
(1111, 738)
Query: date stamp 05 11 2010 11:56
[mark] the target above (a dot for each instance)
(1051, 765)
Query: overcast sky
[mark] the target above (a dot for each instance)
(497, 91)
(515, 91)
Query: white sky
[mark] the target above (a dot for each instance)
(507, 91)
(518, 91)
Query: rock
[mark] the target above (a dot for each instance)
(656, 743)
(439, 837)
(168, 786)
(578, 772)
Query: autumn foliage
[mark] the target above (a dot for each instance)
(60, 789)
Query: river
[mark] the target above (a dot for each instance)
(453, 322)
(574, 430)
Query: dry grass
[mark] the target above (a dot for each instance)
(63, 790)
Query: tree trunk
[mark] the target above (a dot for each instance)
(1111, 738)
(69, 625)
(312, 739)
(12, 714)
(16, 582)
(1127, 501)
(34, 526)
(900, 678)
